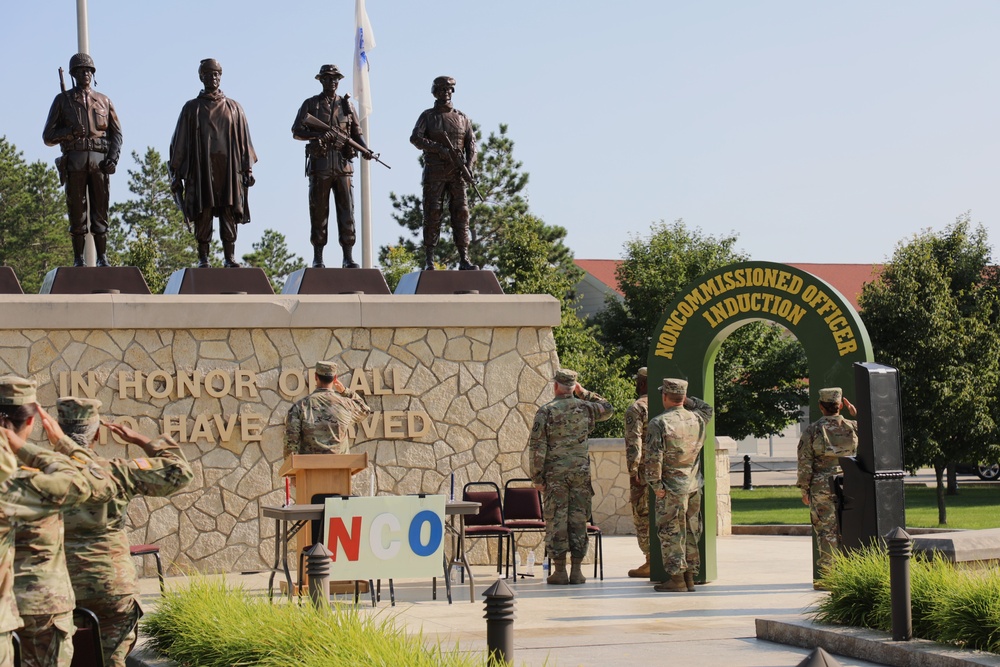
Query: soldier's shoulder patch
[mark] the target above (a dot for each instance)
(142, 464)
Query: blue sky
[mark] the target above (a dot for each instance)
(818, 132)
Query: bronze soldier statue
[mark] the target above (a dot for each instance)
(211, 164)
(84, 124)
(445, 136)
(328, 122)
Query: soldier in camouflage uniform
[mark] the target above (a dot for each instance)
(820, 448)
(30, 503)
(674, 440)
(97, 548)
(636, 419)
(560, 468)
(319, 423)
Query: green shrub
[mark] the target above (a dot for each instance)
(948, 604)
(211, 624)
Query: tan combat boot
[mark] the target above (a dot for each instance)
(559, 577)
(576, 573)
(689, 580)
(674, 585)
(641, 572)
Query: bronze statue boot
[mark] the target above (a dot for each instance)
(463, 261)
(675, 584)
(689, 581)
(428, 258)
(559, 577)
(349, 262)
(227, 252)
(78, 244)
(576, 572)
(318, 257)
(101, 245)
(641, 572)
(203, 256)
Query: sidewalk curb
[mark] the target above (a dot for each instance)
(870, 645)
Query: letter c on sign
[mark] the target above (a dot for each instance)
(381, 549)
(434, 540)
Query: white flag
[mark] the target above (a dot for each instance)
(364, 41)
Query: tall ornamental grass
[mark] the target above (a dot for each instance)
(948, 605)
(211, 624)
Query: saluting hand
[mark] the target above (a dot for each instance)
(126, 434)
(52, 429)
(850, 408)
(338, 385)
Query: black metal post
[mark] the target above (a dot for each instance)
(747, 482)
(500, 622)
(900, 548)
(318, 569)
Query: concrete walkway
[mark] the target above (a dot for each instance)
(622, 620)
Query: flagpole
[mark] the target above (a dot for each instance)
(83, 46)
(366, 203)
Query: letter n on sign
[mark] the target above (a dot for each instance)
(385, 537)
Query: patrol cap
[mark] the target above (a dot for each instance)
(641, 373)
(674, 386)
(830, 395)
(330, 70)
(16, 390)
(73, 410)
(443, 81)
(209, 64)
(326, 368)
(81, 60)
(566, 378)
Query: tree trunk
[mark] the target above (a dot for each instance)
(952, 480)
(942, 512)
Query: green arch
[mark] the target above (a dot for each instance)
(709, 309)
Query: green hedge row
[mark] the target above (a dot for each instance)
(949, 605)
(210, 624)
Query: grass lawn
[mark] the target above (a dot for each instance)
(976, 506)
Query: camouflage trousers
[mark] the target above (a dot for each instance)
(678, 525)
(119, 618)
(639, 498)
(823, 514)
(567, 509)
(47, 640)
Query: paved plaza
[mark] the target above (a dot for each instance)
(621, 620)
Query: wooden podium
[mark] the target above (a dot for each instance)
(320, 473)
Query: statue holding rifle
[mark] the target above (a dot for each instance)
(330, 125)
(445, 136)
(84, 124)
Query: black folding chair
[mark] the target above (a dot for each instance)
(595, 530)
(489, 521)
(87, 649)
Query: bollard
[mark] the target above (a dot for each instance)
(318, 569)
(900, 548)
(500, 622)
(747, 484)
(819, 658)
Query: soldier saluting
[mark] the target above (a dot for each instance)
(84, 124)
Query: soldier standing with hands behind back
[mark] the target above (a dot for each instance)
(84, 123)
(820, 448)
(560, 468)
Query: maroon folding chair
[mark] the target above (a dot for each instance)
(489, 521)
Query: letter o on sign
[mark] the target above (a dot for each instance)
(434, 539)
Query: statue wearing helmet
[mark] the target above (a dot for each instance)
(84, 124)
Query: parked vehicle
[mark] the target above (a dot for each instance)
(988, 472)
